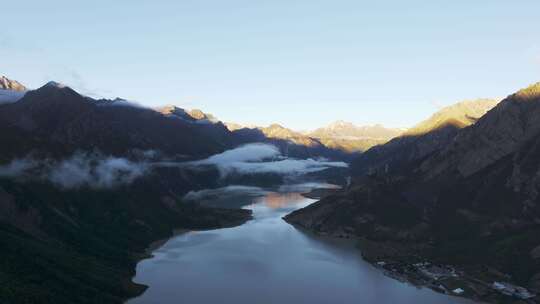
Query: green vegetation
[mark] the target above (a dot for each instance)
(87, 242)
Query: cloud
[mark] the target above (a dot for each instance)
(17, 167)
(118, 102)
(88, 170)
(80, 170)
(304, 187)
(9, 96)
(263, 158)
(97, 171)
(224, 192)
(245, 153)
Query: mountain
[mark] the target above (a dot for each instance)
(343, 129)
(80, 199)
(423, 139)
(290, 143)
(195, 115)
(12, 85)
(463, 191)
(10, 90)
(276, 131)
(350, 138)
(57, 121)
(339, 139)
(460, 115)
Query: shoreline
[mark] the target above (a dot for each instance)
(154, 245)
(402, 263)
(315, 193)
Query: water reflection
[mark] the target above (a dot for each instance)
(275, 200)
(267, 260)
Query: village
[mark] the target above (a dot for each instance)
(449, 280)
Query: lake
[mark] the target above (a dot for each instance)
(266, 260)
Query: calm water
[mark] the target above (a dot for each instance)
(267, 260)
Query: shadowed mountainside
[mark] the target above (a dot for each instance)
(469, 197)
(423, 139)
(80, 244)
(65, 239)
(56, 120)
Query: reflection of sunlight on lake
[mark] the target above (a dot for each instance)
(280, 200)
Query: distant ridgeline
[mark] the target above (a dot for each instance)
(460, 188)
(339, 140)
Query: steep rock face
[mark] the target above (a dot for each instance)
(423, 139)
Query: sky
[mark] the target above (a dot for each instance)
(301, 63)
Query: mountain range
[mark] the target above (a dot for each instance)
(351, 138)
(87, 184)
(339, 139)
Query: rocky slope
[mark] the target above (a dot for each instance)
(468, 197)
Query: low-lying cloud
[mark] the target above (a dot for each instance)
(119, 102)
(79, 170)
(264, 158)
(97, 171)
(17, 167)
(305, 187)
(84, 170)
(245, 153)
(9, 96)
(222, 192)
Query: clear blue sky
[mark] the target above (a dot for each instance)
(300, 63)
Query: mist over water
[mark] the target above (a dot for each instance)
(98, 171)
(267, 260)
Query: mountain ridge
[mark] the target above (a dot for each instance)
(12, 85)
(423, 139)
(471, 201)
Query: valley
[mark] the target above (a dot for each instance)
(86, 185)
